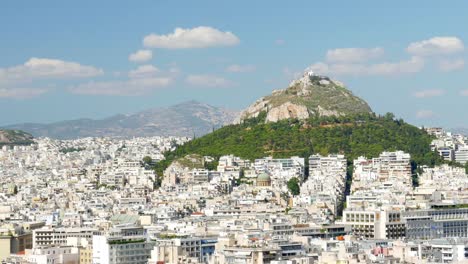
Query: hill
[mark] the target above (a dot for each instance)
(353, 135)
(14, 138)
(313, 115)
(310, 95)
(184, 119)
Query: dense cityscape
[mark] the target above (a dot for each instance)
(233, 132)
(97, 200)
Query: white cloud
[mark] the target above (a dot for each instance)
(436, 46)
(208, 81)
(141, 56)
(415, 64)
(429, 93)
(464, 92)
(132, 87)
(240, 68)
(142, 80)
(144, 71)
(425, 114)
(349, 55)
(12, 79)
(42, 68)
(451, 65)
(199, 37)
(21, 93)
(355, 61)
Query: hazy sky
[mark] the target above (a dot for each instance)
(70, 59)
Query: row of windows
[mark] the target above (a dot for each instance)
(190, 243)
(129, 258)
(455, 234)
(400, 226)
(456, 224)
(129, 252)
(59, 252)
(360, 218)
(363, 226)
(131, 246)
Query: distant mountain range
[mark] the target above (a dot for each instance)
(185, 119)
(459, 130)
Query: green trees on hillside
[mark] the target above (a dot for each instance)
(360, 135)
(211, 165)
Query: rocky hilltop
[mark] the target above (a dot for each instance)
(14, 137)
(310, 95)
(185, 119)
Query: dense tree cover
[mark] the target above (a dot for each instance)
(147, 160)
(211, 165)
(293, 186)
(359, 135)
(71, 149)
(362, 135)
(161, 165)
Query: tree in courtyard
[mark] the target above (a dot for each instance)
(293, 186)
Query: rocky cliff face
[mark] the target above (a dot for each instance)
(287, 110)
(310, 95)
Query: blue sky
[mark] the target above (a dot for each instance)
(64, 60)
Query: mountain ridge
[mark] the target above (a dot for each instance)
(187, 118)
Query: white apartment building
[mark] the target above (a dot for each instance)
(177, 250)
(293, 164)
(388, 167)
(47, 236)
(379, 224)
(52, 255)
(123, 244)
(331, 162)
(461, 155)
